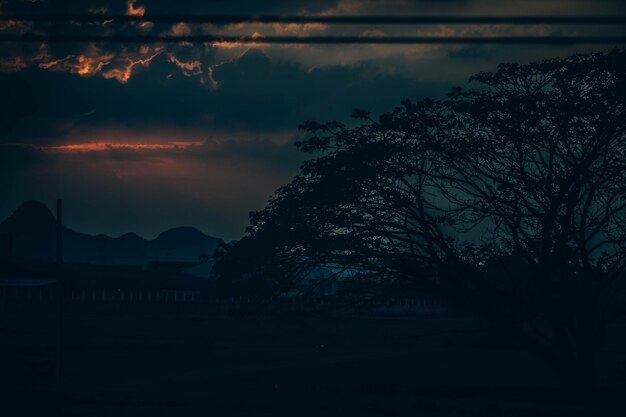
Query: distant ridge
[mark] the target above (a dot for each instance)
(31, 231)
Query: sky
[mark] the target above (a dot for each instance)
(143, 138)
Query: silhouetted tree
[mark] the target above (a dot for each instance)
(509, 199)
(248, 267)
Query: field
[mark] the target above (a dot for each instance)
(132, 363)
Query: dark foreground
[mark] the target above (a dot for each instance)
(122, 363)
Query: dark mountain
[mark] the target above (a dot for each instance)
(175, 244)
(29, 233)
(31, 230)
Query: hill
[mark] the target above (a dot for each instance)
(29, 233)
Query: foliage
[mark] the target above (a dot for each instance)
(508, 198)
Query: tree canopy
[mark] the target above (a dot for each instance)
(509, 198)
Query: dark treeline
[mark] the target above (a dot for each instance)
(508, 199)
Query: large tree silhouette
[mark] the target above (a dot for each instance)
(509, 199)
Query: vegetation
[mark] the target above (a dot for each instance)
(509, 199)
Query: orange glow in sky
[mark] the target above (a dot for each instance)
(104, 146)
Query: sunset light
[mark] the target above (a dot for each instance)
(104, 146)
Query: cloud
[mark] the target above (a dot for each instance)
(252, 92)
(428, 62)
(85, 65)
(133, 10)
(123, 73)
(12, 64)
(107, 146)
(91, 60)
(189, 68)
(180, 29)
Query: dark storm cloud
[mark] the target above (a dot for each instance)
(254, 93)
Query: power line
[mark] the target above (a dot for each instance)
(226, 19)
(319, 40)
